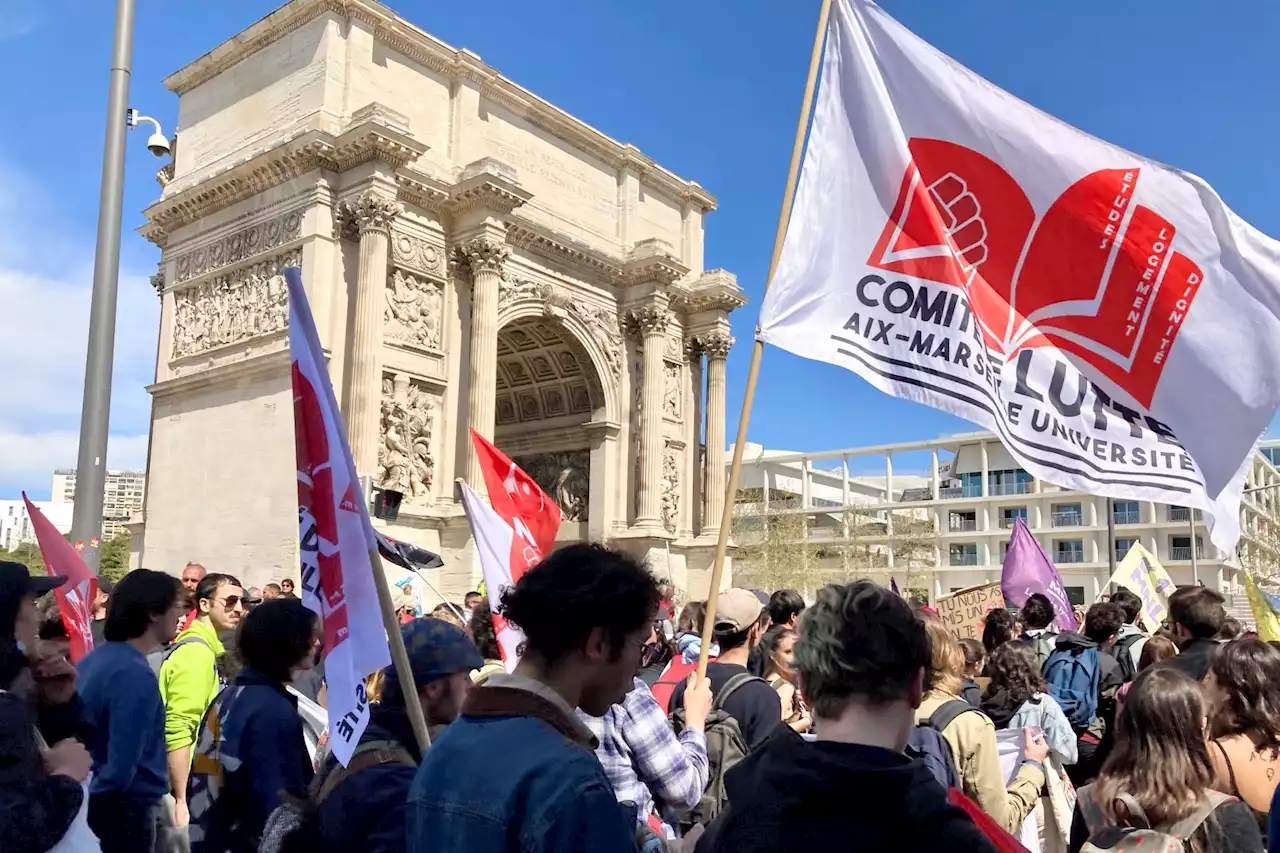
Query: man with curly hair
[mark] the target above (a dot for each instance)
(864, 660)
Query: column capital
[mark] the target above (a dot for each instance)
(649, 320)
(481, 254)
(157, 281)
(692, 349)
(716, 344)
(369, 211)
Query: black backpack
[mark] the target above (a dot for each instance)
(926, 743)
(726, 746)
(1122, 652)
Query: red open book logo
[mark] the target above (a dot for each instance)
(1094, 276)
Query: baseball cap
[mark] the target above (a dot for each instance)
(16, 581)
(105, 585)
(737, 609)
(436, 649)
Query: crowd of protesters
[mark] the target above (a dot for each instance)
(858, 722)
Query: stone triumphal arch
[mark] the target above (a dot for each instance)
(474, 256)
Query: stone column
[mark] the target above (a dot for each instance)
(371, 214)
(650, 322)
(716, 345)
(484, 257)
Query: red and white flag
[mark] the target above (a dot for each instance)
(513, 532)
(334, 534)
(1107, 316)
(76, 597)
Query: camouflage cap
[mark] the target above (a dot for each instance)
(436, 649)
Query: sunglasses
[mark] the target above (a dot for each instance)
(231, 602)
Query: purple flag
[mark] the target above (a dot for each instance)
(1028, 570)
(893, 586)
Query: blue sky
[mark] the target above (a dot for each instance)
(709, 88)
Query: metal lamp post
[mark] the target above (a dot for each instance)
(95, 411)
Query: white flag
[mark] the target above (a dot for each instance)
(494, 537)
(1108, 317)
(334, 534)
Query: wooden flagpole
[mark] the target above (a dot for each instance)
(757, 348)
(399, 656)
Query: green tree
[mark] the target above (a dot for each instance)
(27, 553)
(113, 562)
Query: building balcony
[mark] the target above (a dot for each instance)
(1068, 519)
(962, 524)
(1185, 553)
(1128, 517)
(1182, 513)
(1068, 556)
(1019, 488)
(964, 559)
(1008, 523)
(952, 493)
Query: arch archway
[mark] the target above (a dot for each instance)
(551, 401)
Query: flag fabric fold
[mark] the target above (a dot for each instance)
(1265, 621)
(1028, 570)
(336, 538)
(77, 596)
(1108, 317)
(513, 531)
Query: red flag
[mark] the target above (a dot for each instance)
(76, 597)
(521, 502)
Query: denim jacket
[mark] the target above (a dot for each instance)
(516, 772)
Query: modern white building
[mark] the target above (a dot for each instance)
(963, 494)
(15, 523)
(122, 497)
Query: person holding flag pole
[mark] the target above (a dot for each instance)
(342, 577)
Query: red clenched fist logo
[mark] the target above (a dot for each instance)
(1094, 276)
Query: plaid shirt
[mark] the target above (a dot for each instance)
(644, 759)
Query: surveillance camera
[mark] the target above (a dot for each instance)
(158, 145)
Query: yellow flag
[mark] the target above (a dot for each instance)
(1263, 616)
(1141, 573)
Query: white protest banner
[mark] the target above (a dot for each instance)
(1108, 317)
(964, 612)
(1141, 573)
(334, 534)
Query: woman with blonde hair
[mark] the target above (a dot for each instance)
(1159, 774)
(971, 737)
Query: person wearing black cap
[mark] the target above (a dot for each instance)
(98, 626)
(40, 786)
(364, 805)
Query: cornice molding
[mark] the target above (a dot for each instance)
(451, 62)
(368, 139)
(714, 290)
(653, 260)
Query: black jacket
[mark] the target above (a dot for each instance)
(1194, 658)
(792, 795)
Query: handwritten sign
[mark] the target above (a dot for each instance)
(1141, 573)
(963, 612)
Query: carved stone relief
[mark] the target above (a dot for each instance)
(243, 304)
(414, 253)
(405, 461)
(670, 488)
(671, 395)
(564, 476)
(413, 310)
(245, 243)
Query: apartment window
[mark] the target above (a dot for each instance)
(1010, 481)
(964, 555)
(1068, 551)
(1075, 595)
(964, 520)
(1004, 551)
(1009, 516)
(1180, 547)
(1123, 544)
(1067, 515)
(1182, 513)
(1272, 454)
(971, 485)
(1126, 512)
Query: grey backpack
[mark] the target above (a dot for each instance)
(726, 746)
(157, 658)
(1137, 835)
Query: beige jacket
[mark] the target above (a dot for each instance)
(972, 738)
